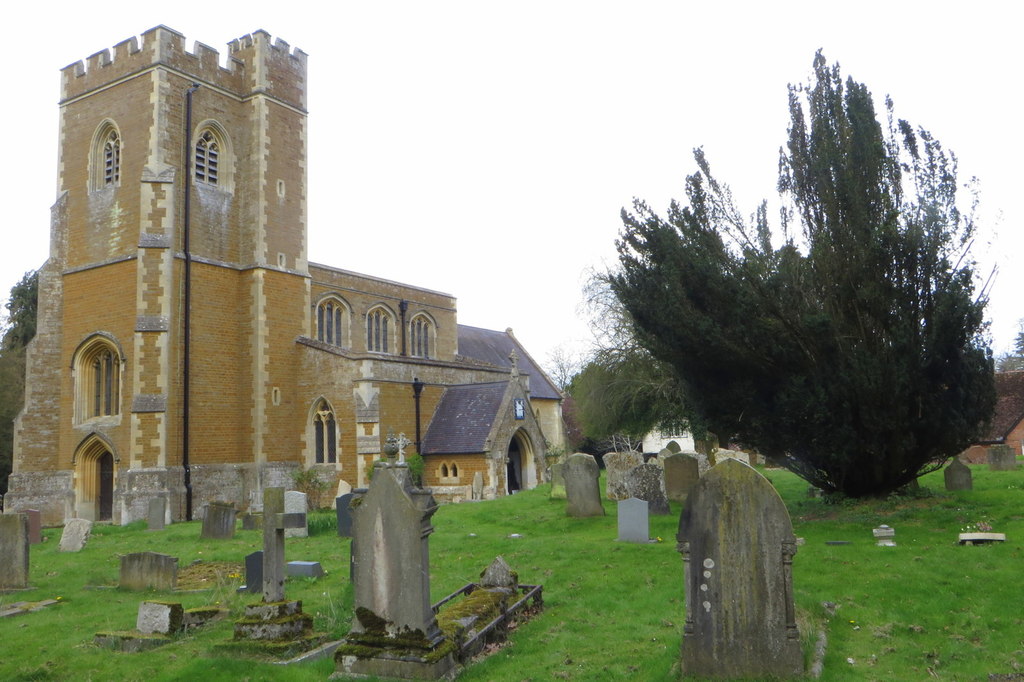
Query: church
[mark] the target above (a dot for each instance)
(186, 346)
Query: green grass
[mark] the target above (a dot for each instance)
(926, 609)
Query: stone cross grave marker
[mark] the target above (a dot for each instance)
(76, 533)
(682, 472)
(148, 570)
(634, 524)
(647, 482)
(582, 486)
(344, 513)
(1001, 458)
(295, 503)
(616, 466)
(737, 543)
(275, 522)
(35, 526)
(14, 548)
(958, 476)
(156, 515)
(218, 521)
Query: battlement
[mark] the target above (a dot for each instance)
(254, 64)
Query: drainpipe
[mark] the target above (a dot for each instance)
(417, 389)
(403, 306)
(186, 369)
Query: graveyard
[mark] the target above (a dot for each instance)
(925, 606)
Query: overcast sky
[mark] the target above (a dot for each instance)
(485, 149)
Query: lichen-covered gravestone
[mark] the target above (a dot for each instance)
(218, 521)
(148, 570)
(616, 466)
(557, 481)
(737, 543)
(582, 486)
(14, 550)
(1001, 458)
(647, 482)
(682, 471)
(76, 533)
(958, 476)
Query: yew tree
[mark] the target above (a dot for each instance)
(848, 344)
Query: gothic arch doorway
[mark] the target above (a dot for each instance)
(94, 480)
(520, 472)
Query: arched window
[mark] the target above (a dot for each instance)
(331, 322)
(325, 434)
(97, 380)
(207, 161)
(444, 470)
(378, 326)
(420, 332)
(455, 470)
(106, 157)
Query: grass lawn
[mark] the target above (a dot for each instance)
(926, 609)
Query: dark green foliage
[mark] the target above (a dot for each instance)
(852, 353)
(19, 328)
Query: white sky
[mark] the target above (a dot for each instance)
(485, 149)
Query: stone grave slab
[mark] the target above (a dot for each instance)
(219, 521)
(1001, 458)
(148, 570)
(616, 466)
(344, 514)
(157, 617)
(76, 534)
(14, 551)
(682, 472)
(304, 569)
(958, 476)
(35, 526)
(156, 513)
(980, 538)
(647, 482)
(582, 486)
(295, 503)
(634, 524)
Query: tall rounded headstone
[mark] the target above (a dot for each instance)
(582, 486)
(737, 543)
(682, 471)
(647, 482)
(958, 476)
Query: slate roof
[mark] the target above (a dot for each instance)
(463, 419)
(494, 347)
(1009, 406)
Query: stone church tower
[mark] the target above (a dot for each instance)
(180, 182)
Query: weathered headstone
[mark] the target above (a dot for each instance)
(76, 533)
(682, 471)
(253, 572)
(737, 543)
(660, 458)
(162, 618)
(478, 486)
(252, 521)
(634, 524)
(647, 482)
(148, 570)
(616, 466)
(498, 574)
(156, 515)
(394, 632)
(958, 476)
(582, 486)
(732, 454)
(219, 521)
(35, 526)
(14, 550)
(1001, 458)
(296, 503)
(557, 481)
(344, 514)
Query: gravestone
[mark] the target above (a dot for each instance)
(35, 526)
(14, 549)
(737, 543)
(148, 570)
(884, 536)
(616, 466)
(344, 514)
(958, 476)
(557, 481)
(582, 486)
(156, 515)
(295, 503)
(660, 458)
(218, 521)
(394, 632)
(252, 521)
(732, 454)
(682, 471)
(304, 569)
(253, 572)
(673, 446)
(75, 535)
(1001, 458)
(634, 525)
(161, 618)
(647, 482)
(478, 486)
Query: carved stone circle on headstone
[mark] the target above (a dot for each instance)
(737, 543)
(296, 503)
(14, 551)
(682, 471)
(1001, 458)
(582, 486)
(634, 523)
(616, 466)
(76, 533)
(958, 476)
(647, 482)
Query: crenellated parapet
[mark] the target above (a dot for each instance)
(255, 64)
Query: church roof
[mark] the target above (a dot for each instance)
(463, 419)
(493, 347)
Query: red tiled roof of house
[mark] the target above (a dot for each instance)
(1009, 406)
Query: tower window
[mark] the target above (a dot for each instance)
(97, 380)
(207, 161)
(420, 331)
(378, 322)
(106, 157)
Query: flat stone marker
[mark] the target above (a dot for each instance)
(35, 526)
(295, 503)
(148, 570)
(76, 534)
(616, 466)
(162, 618)
(1001, 458)
(557, 481)
(634, 524)
(681, 473)
(958, 476)
(582, 486)
(14, 549)
(647, 482)
(304, 569)
(156, 514)
(253, 573)
(737, 543)
(980, 538)
(219, 521)
(344, 512)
